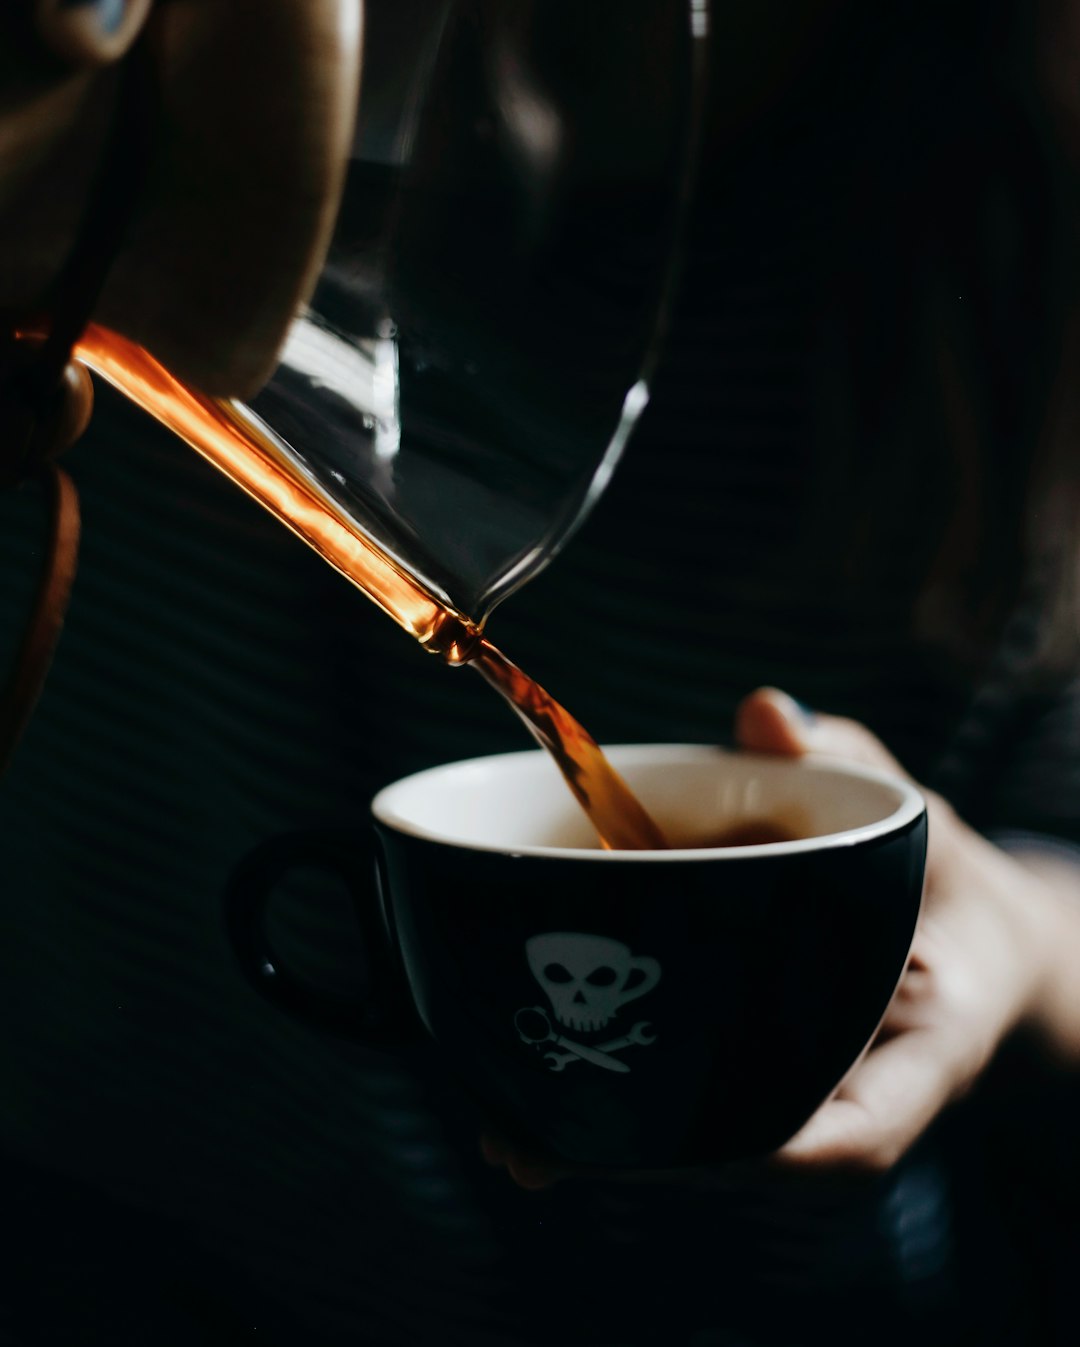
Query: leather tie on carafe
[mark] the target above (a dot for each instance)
(46, 397)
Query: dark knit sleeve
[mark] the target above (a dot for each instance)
(1013, 766)
(1037, 789)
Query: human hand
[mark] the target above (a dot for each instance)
(976, 972)
(981, 964)
(256, 101)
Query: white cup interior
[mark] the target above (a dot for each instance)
(518, 802)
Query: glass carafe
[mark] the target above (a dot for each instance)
(477, 349)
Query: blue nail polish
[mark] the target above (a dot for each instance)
(110, 13)
(807, 712)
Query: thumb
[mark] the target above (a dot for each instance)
(771, 721)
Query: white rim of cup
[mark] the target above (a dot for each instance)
(385, 808)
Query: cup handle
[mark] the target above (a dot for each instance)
(383, 1015)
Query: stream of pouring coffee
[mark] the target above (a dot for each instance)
(240, 445)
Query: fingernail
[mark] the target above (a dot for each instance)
(808, 713)
(793, 709)
(90, 32)
(801, 718)
(108, 14)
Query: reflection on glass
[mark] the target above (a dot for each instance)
(475, 354)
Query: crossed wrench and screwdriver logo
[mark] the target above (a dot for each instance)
(534, 1026)
(587, 978)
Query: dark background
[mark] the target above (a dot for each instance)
(182, 1164)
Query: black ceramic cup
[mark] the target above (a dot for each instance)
(624, 1009)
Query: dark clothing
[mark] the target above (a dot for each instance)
(181, 1154)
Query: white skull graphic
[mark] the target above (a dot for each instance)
(588, 977)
